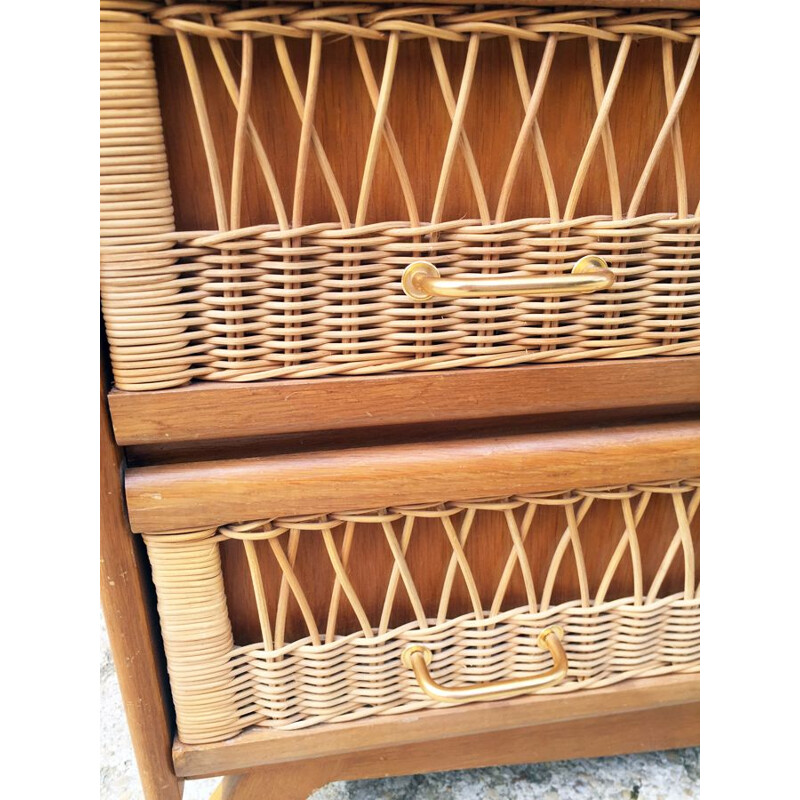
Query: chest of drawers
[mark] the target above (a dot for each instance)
(401, 305)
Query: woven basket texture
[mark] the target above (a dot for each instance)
(283, 292)
(633, 612)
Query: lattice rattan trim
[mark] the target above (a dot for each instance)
(454, 22)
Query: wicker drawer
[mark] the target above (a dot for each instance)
(294, 620)
(269, 173)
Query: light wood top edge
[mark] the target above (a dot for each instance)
(204, 494)
(204, 411)
(260, 747)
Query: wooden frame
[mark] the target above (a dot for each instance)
(258, 748)
(135, 644)
(588, 737)
(642, 715)
(192, 413)
(166, 497)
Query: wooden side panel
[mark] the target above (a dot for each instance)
(131, 629)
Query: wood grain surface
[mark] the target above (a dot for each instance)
(637, 715)
(605, 735)
(592, 737)
(219, 411)
(132, 631)
(174, 497)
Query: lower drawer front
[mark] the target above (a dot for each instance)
(291, 622)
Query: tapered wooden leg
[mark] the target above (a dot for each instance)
(589, 737)
(281, 782)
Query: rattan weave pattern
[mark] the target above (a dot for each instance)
(300, 298)
(330, 675)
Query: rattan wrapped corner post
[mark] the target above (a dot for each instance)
(401, 304)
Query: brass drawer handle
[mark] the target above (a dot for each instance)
(417, 657)
(422, 281)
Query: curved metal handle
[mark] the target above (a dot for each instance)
(417, 658)
(422, 281)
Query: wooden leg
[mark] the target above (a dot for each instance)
(589, 737)
(277, 783)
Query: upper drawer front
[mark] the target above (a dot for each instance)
(309, 154)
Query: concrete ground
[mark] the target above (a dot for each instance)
(666, 775)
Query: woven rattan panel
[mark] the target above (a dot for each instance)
(623, 584)
(315, 152)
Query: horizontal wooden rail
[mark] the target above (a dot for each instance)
(258, 747)
(225, 410)
(587, 737)
(205, 493)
